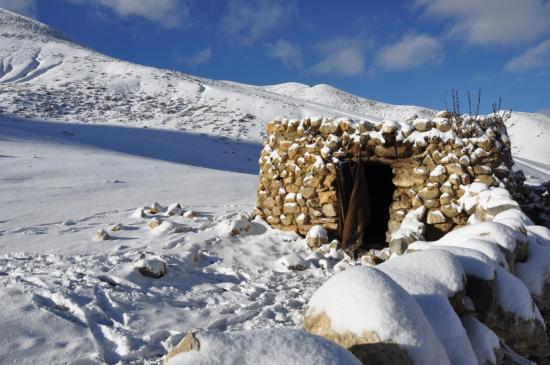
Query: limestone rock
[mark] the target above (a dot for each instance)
(371, 298)
(239, 226)
(328, 126)
(329, 210)
(102, 235)
(259, 346)
(317, 236)
(431, 191)
(188, 343)
(422, 124)
(443, 124)
(117, 227)
(151, 267)
(435, 216)
(292, 262)
(327, 196)
(190, 214)
(403, 181)
(174, 209)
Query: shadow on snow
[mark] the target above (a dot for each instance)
(199, 150)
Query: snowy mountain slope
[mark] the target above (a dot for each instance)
(530, 135)
(47, 76)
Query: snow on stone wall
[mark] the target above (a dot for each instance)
(433, 162)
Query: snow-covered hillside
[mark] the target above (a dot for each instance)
(44, 75)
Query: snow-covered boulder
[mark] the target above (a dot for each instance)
(513, 218)
(516, 318)
(364, 310)
(240, 225)
(428, 273)
(189, 214)
(167, 227)
(117, 227)
(513, 243)
(435, 279)
(151, 266)
(480, 274)
(174, 209)
(138, 213)
(485, 342)
(317, 236)
(102, 235)
(410, 230)
(292, 262)
(535, 271)
(494, 201)
(266, 346)
(489, 249)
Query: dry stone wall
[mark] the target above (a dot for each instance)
(432, 160)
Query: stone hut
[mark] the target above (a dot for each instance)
(373, 183)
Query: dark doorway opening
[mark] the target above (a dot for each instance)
(365, 192)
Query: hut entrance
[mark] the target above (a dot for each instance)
(365, 192)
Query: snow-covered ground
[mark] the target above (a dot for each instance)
(68, 296)
(86, 140)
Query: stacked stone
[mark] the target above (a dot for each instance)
(432, 160)
(534, 200)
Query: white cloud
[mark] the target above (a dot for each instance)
(342, 56)
(251, 20)
(485, 22)
(199, 58)
(23, 7)
(411, 51)
(167, 13)
(534, 58)
(287, 53)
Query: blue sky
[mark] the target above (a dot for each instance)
(406, 52)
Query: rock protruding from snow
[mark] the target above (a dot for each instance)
(152, 267)
(266, 346)
(364, 310)
(102, 235)
(240, 225)
(174, 209)
(292, 262)
(317, 236)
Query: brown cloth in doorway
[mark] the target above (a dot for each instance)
(354, 210)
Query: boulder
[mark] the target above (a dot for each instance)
(151, 267)
(292, 262)
(260, 346)
(317, 236)
(422, 124)
(102, 235)
(359, 309)
(239, 226)
(516, 319)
